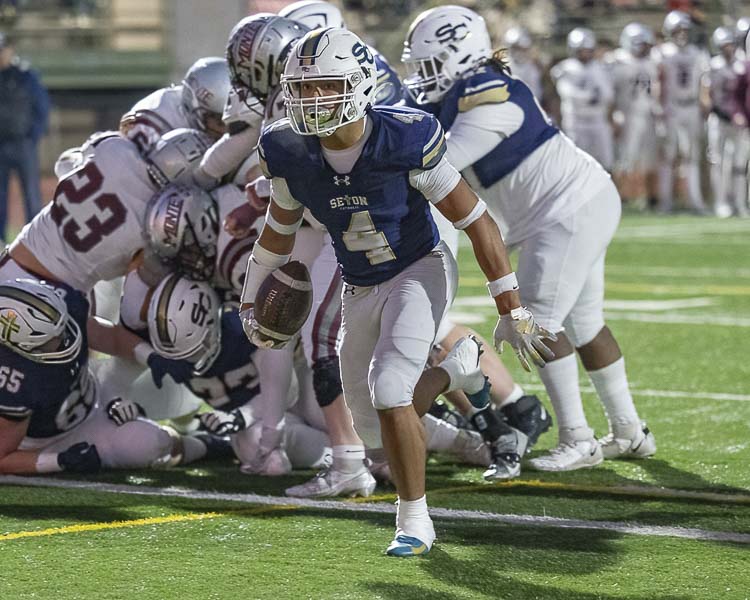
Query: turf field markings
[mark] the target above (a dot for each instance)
(538, 387)
(637, 491)
(676, 319)
(388, 508)
(176, 518)
(677, 272)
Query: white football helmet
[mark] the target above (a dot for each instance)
(636, 38)
(205, 90)
(581, 38)
(184, 321)
(741, 29)
(517, 37)
(314, 14)
(176, 156)
(442, 44)
(182, 227)
(721, 37)
(328, 57)
(34, 322)
(677, 26)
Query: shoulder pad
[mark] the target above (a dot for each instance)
(484, 87)
(280, 148)
(417, 141)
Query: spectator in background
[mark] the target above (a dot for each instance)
(24, 110)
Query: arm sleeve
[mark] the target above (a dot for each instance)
(436, 183)
(477, 132)
(229, 152)
(281, 195)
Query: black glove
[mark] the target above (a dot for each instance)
(180, 370)
(80, 458)
(123, 411)
(223, 423)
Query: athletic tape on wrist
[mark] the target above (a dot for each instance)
(479, 209)
(507, 283)
(46, 462)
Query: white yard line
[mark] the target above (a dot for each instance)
(388, 508)
(538, 387)
(674, 319)
(677, 272)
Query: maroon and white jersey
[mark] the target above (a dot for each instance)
(153, 116)
(585, 91)
(232, 254)
(635, 81)
(94, 225)
(722, 80)
(683, 68)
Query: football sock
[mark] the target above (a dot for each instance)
(514, 396)
(693, 177)
(348, 458)
(612, 387)
(665, 187)
(441, 435)
(192, 449)
(560, 378)
(413, 519)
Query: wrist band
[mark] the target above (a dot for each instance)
(507, 283)
(141, 353)
(46, 462)
(479, 209)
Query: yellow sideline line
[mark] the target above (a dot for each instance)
(178, 518)
(640, 492)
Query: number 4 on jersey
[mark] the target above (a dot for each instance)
(361, 236)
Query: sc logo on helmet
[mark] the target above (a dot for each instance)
(451, 33)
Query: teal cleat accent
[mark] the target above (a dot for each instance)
(481, 399)
(405, 546)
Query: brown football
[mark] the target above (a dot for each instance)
(283, 301)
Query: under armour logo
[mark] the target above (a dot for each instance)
(349, 289)
(339, 180)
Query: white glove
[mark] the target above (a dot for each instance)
(525, 337)
(252, 330)
(223, 423)
(123, 411)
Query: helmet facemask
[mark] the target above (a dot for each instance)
(427, 81)
(197, 257)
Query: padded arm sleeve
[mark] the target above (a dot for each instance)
(436, 183)
(282, 196)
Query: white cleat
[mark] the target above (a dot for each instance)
(569, 456)
(274, 463)
(506, 452)
(330, 482)
(462, 366)
(637, 443)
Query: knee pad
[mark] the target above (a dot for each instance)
(389, 390)
(326, 380)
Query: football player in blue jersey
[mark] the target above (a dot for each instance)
(368, 175)
(187, 321)
(52, 413)
(560, 209)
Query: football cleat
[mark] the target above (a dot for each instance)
(569, 456)
(273, 463)
(638, 443)
(506, 453)
(216, 446)
(440, 410)
(406, 546)
(528, 415)
(462, 366)
(331, 482)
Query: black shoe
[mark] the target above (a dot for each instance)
(216, 446)
(440, 410)
(528, 415)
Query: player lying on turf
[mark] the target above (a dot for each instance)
(561, 211)
(399, 279)
(52, 415)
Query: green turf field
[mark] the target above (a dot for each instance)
(671, 527)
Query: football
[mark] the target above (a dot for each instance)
(283, 301)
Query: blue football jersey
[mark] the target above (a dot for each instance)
(56, 397)
(487, 85)
(232, 379)
(378, 222)
(390, 90)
